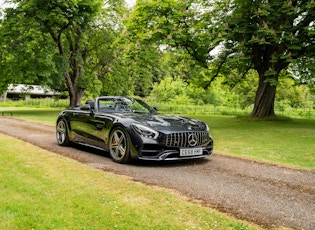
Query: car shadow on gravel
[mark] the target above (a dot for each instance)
(173, 163)
(145, 163)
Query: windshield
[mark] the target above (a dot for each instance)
(123, 105)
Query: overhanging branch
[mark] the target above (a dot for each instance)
(222, 62)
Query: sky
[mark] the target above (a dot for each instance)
(2, 4)
(129, 2)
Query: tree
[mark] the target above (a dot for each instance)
(296, 95)
(144, 62)
(80, 34)
(26, 54)
(272, 35)
(266, 36)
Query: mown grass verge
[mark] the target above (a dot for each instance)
(41, 190)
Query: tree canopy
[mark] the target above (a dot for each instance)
(91, 47)
(60, 42)
(267, 36)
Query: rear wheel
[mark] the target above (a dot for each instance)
(119, 146)
(62, 133)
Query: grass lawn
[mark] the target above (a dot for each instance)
(43, 115)
(288, 142)
(42, 190)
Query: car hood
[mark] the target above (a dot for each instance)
(168, 122)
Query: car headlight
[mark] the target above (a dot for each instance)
(208, 130)
(145, 131)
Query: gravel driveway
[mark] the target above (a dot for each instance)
(268, 195)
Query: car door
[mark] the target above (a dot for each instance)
(94, 124)
(80, 123)
(101, 124)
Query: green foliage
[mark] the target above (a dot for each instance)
(118, 82)
(3, 87)
(144, 67)
(92, 84)
(89, 49)
(64, 44)
(28, 58)
(295, 95)
(222, 93)
(173, 90)
(277, 35)
(36, 103)
(304, 70)
(168, 89)
(225, 35)
(246, 89)
(179, 24)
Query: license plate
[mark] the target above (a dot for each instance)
(190, 152)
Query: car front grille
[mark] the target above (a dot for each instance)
(186, 139)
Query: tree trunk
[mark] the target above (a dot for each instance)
(265, 99)
(75, 93)
(3, 97)
(76, 96)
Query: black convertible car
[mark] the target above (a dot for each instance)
(128, 128)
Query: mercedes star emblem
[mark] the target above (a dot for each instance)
(192, 140)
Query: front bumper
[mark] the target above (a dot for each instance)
(158, 153)
(168, 146)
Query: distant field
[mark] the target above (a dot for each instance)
(43, 115)
(284, 141)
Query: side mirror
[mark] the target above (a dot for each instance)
(85, 107)
(155, 110)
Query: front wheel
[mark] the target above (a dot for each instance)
(62, 133)
(119, 146)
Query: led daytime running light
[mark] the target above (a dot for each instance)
(146, 131)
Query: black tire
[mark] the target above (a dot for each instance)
(62, 133)
(119, 146)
